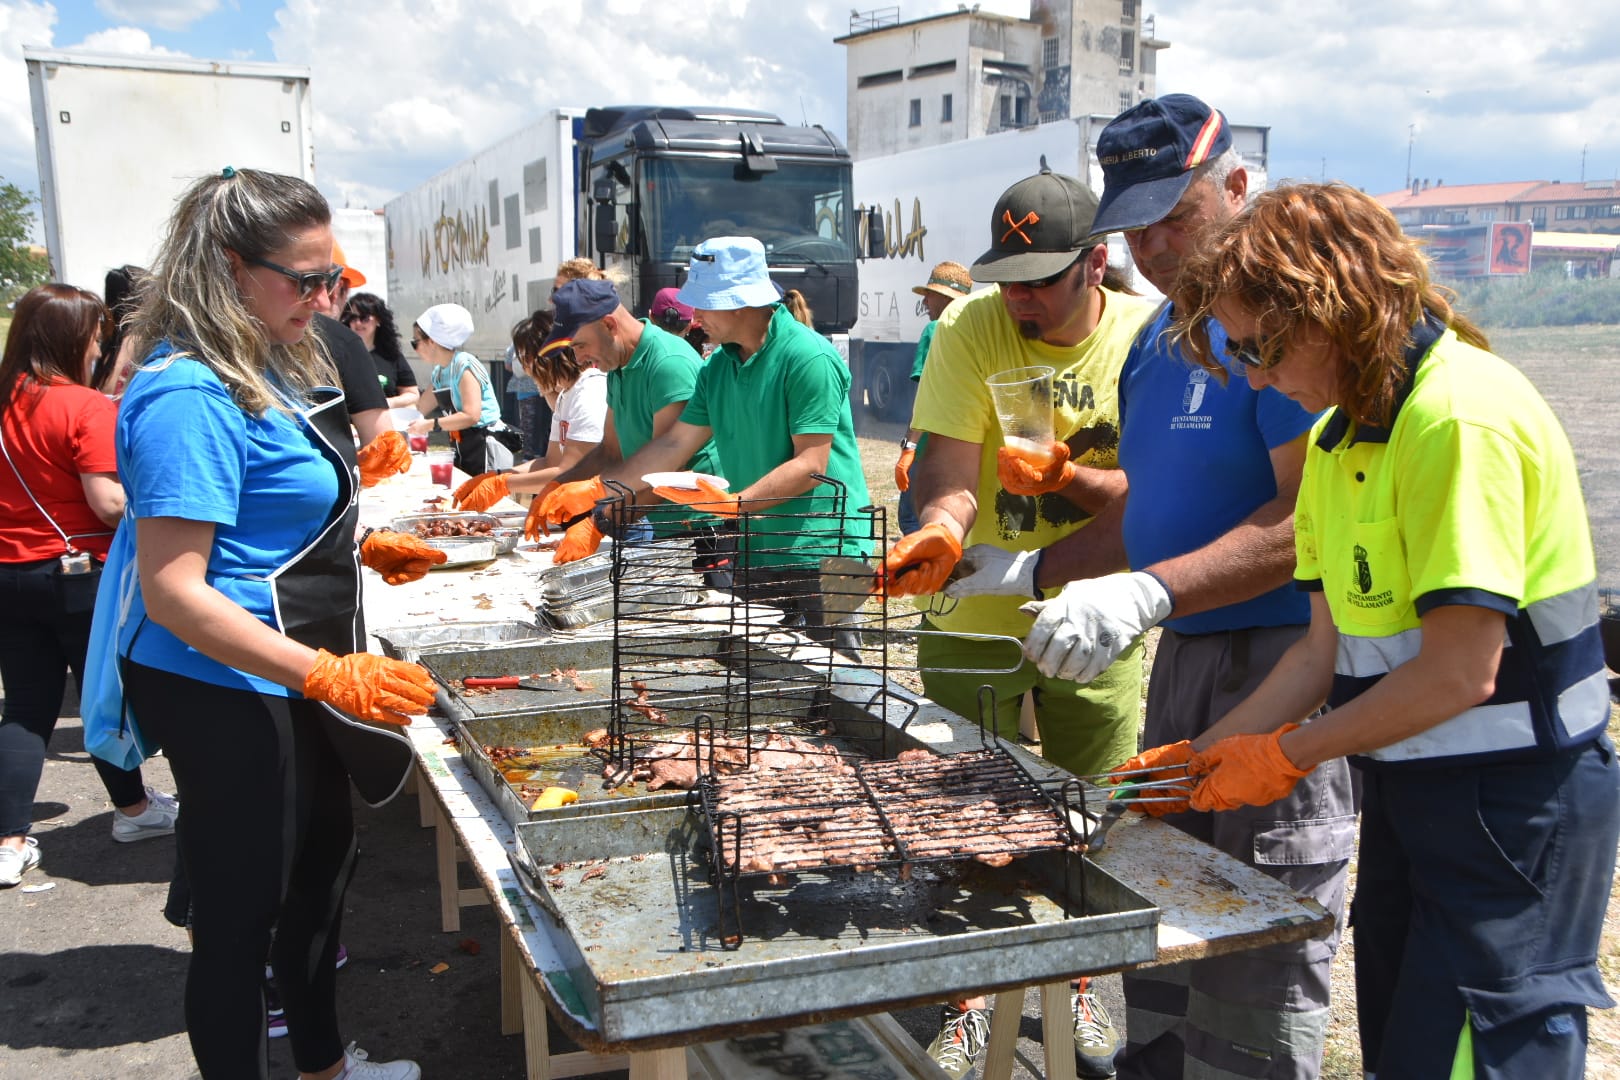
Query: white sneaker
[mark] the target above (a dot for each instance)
(156, 820)
(356, 1066)
(15, 862)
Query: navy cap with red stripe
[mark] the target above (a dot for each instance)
(1148, 154)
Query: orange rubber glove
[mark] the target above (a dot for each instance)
(569, 500)
(399, 557)
(902, 468)
(705, 497)
(1020, 476)
(382, 457)
(371, 687)
(579, 541)
(1165, 757)
(1244, 770)
(481, 492)
(919, 562)
(534, 525)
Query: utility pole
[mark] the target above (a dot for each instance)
(1583, 162)
(1411, 135)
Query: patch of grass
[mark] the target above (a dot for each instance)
(1544, 298)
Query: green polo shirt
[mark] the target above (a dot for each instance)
(662, 371)
(796, 384)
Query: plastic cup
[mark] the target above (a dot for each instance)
(439, 464)
(418, 443)
(1023, 401)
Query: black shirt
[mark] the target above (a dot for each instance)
(394, 376)
(353, 361)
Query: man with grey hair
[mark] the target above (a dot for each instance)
(1213, 466)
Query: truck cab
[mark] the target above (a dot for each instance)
(655, 181)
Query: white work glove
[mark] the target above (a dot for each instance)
(986, 570)
(1083, 629)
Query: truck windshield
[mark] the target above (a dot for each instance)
(800, 212)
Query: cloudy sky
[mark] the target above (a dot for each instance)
(1484, 90)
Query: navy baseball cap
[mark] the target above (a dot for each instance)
(1148, 154)
(581, 301)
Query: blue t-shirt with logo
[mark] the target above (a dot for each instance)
(186, 450)
(1198, 456)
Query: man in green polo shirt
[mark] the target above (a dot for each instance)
(775, 399)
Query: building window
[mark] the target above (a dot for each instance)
(1049, 52)
(916, 112)
(1021, 112)
(944, 67)
(1127, 51)
(1487, 215)
(879, 79)
(1006, 110)
(1127, 12)
(1538, 216)
(1126, 100)
(1562, 213)
(945, 109)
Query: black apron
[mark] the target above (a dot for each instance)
(317, 603)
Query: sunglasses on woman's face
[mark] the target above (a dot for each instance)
(417, 339)
(308, 283)
(1248, 354)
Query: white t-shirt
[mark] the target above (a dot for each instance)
(581, 410)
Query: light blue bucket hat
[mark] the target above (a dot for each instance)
(726, 273)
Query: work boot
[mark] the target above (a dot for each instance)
(960, 1043)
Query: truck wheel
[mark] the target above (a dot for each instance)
(886, 393)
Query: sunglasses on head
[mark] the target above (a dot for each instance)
(307, 283)
(1248, 354)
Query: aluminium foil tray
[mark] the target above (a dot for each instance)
(643, 951)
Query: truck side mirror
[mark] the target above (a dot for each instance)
(602, 190)
(607, 227)
(877, 244)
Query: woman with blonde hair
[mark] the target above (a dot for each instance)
(1442, 536)
(230, 608)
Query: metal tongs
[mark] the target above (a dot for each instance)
(1173, 788)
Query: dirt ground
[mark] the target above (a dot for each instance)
(91, 976)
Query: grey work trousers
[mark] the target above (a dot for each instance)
(1262, 1012)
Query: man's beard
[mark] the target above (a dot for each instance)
(1030, 331)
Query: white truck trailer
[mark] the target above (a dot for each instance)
(120, 137)
(935, 204)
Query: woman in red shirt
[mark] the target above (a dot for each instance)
(60, 501)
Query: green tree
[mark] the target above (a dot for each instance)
(20, 269)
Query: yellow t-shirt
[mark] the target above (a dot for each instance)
(977, 338)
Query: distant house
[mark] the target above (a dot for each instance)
(1590, 207)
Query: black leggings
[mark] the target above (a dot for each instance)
(267, 840)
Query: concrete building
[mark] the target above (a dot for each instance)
(968, 73)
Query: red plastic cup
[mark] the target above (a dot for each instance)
(441, 474)
(418, 443)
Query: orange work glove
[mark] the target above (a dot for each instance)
(1244, 770)
(534, 525)
(481, 492)
(1166, 757)
(371, 687)
(902, 468)
(1020, 476)
(705, 497)
(919, 562)
(569, 500)
(579, 541)
(399, 557)
(382, 457)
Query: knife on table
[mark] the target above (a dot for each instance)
(510, 682)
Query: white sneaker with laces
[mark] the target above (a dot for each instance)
(963, 1035)
(156, 820)
(15, 862)
(357, 1066)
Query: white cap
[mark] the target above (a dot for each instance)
(449, 325)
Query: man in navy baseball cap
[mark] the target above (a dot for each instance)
(1148, 154)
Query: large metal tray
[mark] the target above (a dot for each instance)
(410, 642)
(645, 957)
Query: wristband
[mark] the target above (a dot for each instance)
(365, 534)
(907, 444)
(436, 426)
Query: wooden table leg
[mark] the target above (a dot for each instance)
(536, 1039)
(659, 1065)
(1057, 1031)
(444, 850)
(512, 980)
(425, 813)
(1003, 1045)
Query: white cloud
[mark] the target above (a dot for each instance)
(163, 14)
(20, 24)
(126, 40)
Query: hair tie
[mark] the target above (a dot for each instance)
(228, 172)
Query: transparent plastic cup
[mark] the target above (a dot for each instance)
(417, 443)
(1023, 401)
(439, 463)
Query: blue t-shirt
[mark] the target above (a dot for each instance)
(1198, 456)
(186, 450)
(447, 379)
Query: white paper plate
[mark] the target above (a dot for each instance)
(687, 480)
